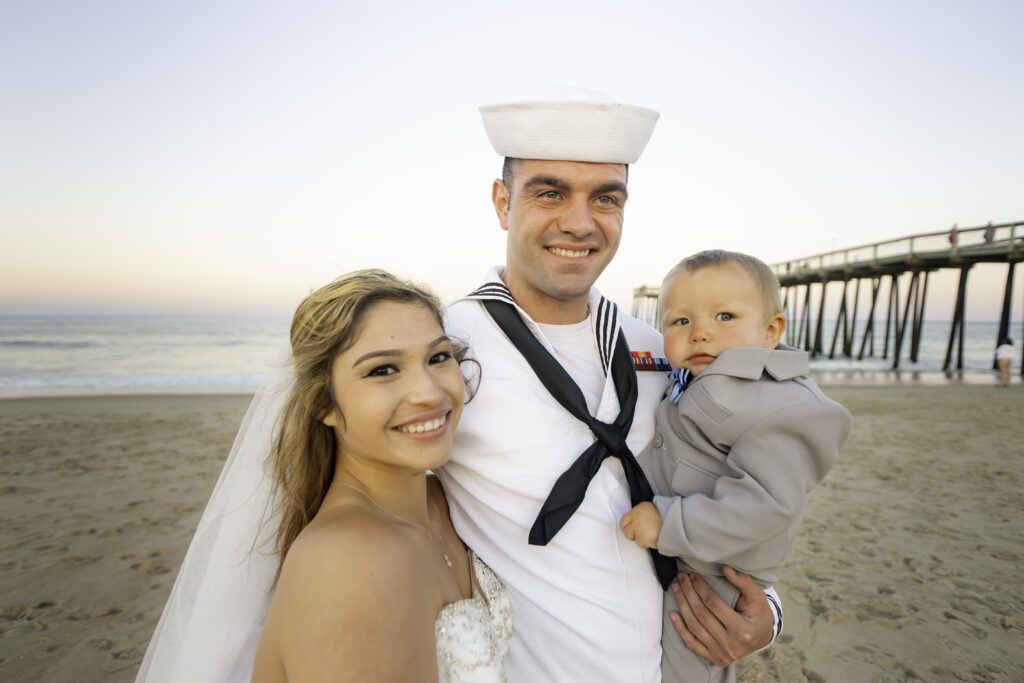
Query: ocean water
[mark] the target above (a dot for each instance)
(979, 348)
(979, 352)
(226, 353)
(231, 353)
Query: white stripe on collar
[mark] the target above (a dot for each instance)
(493, 290)
(604, 315)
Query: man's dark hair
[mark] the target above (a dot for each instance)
(508, 175)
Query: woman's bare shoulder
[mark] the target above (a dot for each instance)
(350, 543)
(348, 590)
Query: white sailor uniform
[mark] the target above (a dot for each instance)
(587, 606)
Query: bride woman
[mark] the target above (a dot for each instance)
(372, 582)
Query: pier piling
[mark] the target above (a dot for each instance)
(958, 323)
(1004, 316)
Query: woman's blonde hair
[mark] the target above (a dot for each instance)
(325, 324)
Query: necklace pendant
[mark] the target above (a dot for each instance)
(446, 560)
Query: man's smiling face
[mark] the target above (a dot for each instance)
(564, 222)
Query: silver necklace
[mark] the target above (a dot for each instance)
(435, 538)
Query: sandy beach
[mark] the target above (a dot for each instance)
(907, 566)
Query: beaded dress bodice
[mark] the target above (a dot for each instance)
(472, 635)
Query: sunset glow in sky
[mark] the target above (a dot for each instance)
(230, 156)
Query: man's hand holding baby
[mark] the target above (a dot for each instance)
(642, 525)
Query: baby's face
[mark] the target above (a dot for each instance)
(715, 308)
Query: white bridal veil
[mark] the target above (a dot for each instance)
(211, 624)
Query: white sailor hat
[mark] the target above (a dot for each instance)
(569, 124)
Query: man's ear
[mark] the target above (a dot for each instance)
(500, 197)
(773, 332)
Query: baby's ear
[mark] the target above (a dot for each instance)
(774, 330)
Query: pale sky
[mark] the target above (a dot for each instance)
(230, 156)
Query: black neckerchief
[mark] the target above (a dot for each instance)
(571, 487)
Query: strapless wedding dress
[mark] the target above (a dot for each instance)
(472, 635)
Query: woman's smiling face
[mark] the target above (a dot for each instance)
(398, 390)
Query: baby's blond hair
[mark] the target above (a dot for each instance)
(763, 276)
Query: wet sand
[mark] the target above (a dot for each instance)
(907, 566)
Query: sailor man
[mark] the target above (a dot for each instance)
(543, 465)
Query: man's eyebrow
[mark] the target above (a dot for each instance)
(391, 353)
(548, 180)
(609, 188)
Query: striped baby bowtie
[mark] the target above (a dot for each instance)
(678, 379)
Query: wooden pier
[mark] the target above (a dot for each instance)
(907, 263)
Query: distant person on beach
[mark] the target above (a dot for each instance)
(739, 441)
(1004, 357)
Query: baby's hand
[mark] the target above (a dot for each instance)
(642, 525)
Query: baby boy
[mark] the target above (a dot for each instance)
(735, 454)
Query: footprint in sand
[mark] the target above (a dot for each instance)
(906, 673)
(1006, 623)
(812, 676)
(1002, 554)
(26, 612)
(50, 548)
(101, 644)
(80, 560)
(989, 673)
(972, 631)
(151, 568)
(29, 627)
(943, 673)
(879, 610)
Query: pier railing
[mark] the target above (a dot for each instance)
(993, 242)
